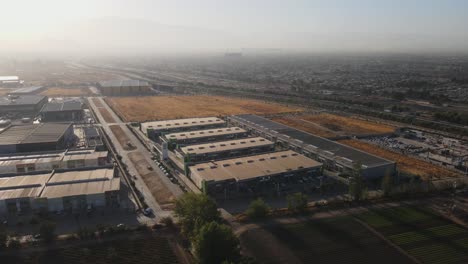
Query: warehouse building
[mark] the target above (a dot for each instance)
(37, 137)
(64, 111)
(215, 176)
(22, 103)
(10, 82)
(334, 156)
(59, 191)
(226, 149)
(124, 87)
(207, 135)
(27, 90)
(20, 164)
(157, 128)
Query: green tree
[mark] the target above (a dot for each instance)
(297, 202)
(257, 209)
(195, 210)
(216, 243)
(47, 231)
(357, 189)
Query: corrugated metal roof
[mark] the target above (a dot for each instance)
(62, 106)
(38, 133)
(205, 133)
(21, 100)
(22, 186)
(253, 166)
(179, 123)
(226, 145)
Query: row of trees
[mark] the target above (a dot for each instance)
(201, 222)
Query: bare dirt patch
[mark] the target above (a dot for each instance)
(97, 102)
(158, 189)
(330, 125)
(58, 91)
(122, 137)
(106, 115)
(405, 164)
(172, 107)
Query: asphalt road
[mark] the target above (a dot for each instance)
(139, 183)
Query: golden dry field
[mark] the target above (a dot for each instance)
(404, 163)
(5, 91)
(147, 108)
(330, 125)
(57, 92)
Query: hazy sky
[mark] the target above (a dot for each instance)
(432, 24)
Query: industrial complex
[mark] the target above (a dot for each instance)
(36, 137)
(62, 111)
(276, 167)
(207, 135)
(59, 190)
(124, 87)
(333, 155)
(157, 128)
(22, 103)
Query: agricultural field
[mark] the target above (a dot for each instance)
(330, 125)
(123, 139)
(67, 92)
(422, 234)
(158, 189)
(149, 250)
(333, 240)
(405, 163)
(138, 109)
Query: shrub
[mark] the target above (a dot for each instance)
(14, 244)
(297, 202)
(257, 209)
(167, 221)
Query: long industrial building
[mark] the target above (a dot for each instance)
(27, 90)
(64, 111)
(37, 137)
(333, 155)
(22, 103)
(124, 87)
(158, 128)
(226, 149)
(211, 177)
(59, 191)
(70, 159)
(198, 136)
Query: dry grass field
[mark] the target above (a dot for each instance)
(158, 189)
(329, 125)
(5, 91)
(404, 163)
(57, 91)
(172, 107)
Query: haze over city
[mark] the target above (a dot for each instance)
(145, 26)
(234, 131)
